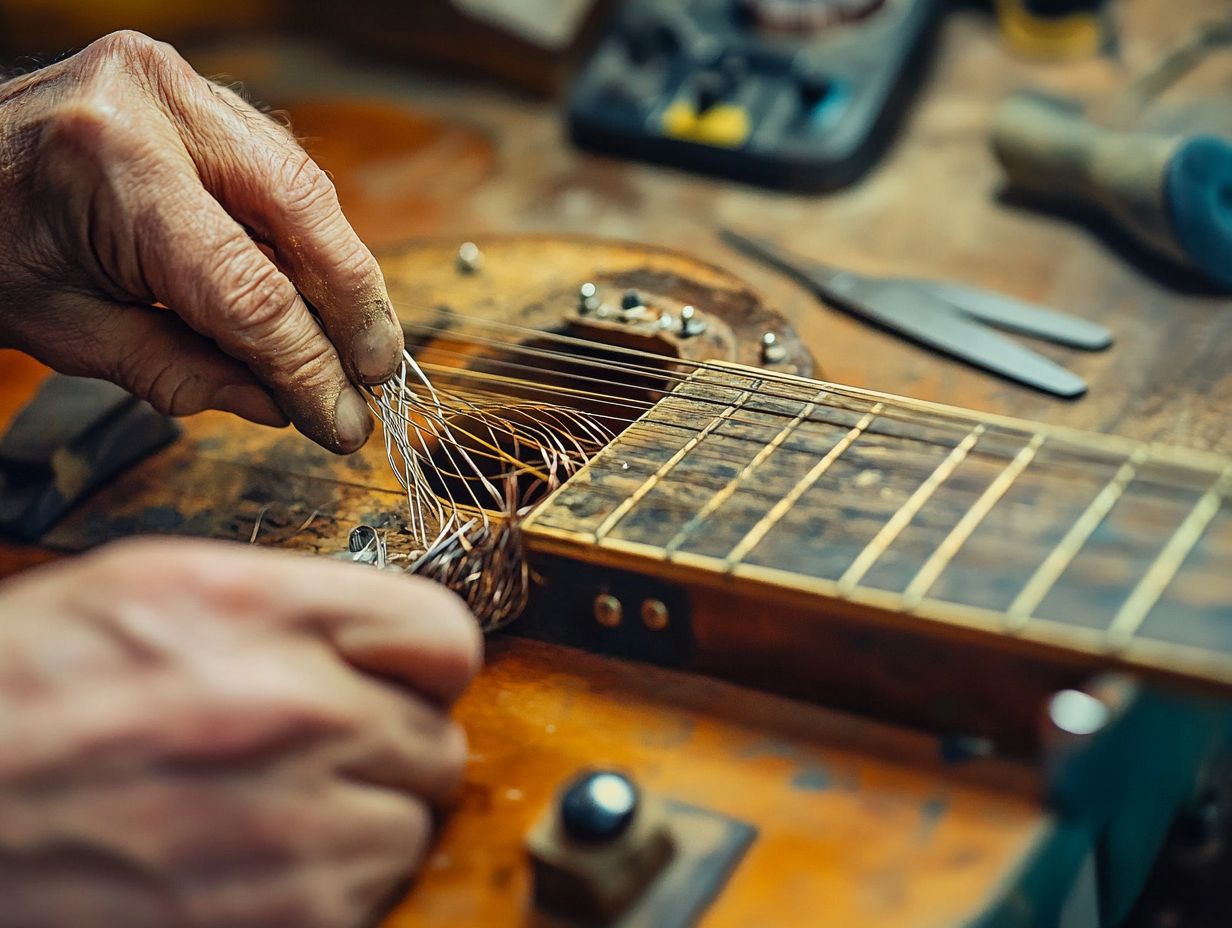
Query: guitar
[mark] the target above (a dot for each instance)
(944, 574)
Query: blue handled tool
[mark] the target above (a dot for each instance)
(1172, 193)
(950, 318)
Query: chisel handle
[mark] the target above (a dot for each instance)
(1172, 193)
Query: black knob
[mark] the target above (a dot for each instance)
(598, 806)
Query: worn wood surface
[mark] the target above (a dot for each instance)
(857, 824)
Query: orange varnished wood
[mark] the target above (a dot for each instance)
(858, 823)
(20, 377)
(386, 195)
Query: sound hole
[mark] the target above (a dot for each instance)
(558, 405)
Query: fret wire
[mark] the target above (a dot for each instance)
(759, 531)
(633, 499)
(726, 492)
(905, 513)
(928, 574)
(1047, 574)
(1137, 606)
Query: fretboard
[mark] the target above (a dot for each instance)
(1082, 541)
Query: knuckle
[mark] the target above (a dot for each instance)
(305, 190)
(129, 47)
(257, 296)
(79, 126)
(414, 834)
(160, 381)
(354, 267)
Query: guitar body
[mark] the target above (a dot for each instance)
(856, 820)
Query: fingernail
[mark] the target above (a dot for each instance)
(376, 350)
(249, 402)
(352, 423)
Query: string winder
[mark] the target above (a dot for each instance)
(1012, 614)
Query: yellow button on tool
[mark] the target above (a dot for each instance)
(1068, 37)
(724, 125)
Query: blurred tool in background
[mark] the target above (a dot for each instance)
(797, 94)
(534, 45)
(1059, 30)
(950, 318)
(1166, 181)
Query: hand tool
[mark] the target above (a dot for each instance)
(950, 318)
(1172, 193)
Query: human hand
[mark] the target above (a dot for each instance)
(200, 734)
(128, 180)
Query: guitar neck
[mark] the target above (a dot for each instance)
(1092, 550)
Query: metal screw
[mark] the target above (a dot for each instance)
(470, 258)
(608, 611)
(690, 325)
(588, 298)
(771, 351)
(655, 615)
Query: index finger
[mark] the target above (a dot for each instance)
(264, 178)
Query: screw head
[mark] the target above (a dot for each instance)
(608, 611)
(588, 298)
(771, 351)
(469, 258)
(655, 615)
(690, 325)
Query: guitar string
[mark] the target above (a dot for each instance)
(710, 452)
(631, 441)
(643, 406)
(1077, 451)
(657, 371)
(896, 408)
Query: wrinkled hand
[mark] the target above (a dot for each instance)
(128, 180)
(198, 734)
